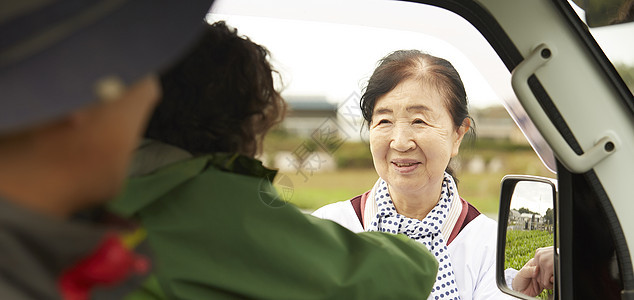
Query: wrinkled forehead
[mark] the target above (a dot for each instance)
(413, 95)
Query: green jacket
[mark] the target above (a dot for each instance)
(219, 231)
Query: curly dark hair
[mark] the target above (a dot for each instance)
(220, 97)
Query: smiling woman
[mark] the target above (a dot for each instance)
(412, 142)
(415, 106)
(422, 119)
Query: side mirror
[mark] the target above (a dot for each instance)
(526, 230)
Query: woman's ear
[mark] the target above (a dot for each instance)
(459, 135)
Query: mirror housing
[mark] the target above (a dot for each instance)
(527, 208)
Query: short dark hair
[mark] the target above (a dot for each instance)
(435, 72)
(405, 64)
(219, 98)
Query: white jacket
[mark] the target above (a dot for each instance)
(472, 251)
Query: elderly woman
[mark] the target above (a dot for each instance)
(415, 106)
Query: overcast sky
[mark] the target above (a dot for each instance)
(536, 196)
(326, 52)
(336, 57)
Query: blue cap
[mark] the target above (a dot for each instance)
(55, 55)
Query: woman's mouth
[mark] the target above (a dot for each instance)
(405, 166)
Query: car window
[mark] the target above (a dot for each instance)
(618, 45)
(324, 58)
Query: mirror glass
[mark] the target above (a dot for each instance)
(531, 224)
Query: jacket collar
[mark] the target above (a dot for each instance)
(143, 190)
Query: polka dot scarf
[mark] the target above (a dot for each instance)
(426, 231)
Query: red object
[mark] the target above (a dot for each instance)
(112, 262)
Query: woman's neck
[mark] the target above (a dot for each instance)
(415, 205)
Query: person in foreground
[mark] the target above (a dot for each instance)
(76, 93)
(415, 106)
(213, 220)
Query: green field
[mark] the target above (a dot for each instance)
(482, 190)
(328, 187)
(356, 174)
(521, 246)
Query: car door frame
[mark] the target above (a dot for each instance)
(482, 15)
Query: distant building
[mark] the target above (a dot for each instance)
(307, 113)
(525, 221)
(495, 123)
(316, 121)
(514, 220)
(514, 215)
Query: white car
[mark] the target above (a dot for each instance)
(563, 91)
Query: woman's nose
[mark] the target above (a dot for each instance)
(402, 139)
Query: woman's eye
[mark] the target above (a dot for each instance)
(384, 121)
(419, 121)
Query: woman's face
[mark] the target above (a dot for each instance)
(412, 138)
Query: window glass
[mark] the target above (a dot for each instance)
(617, 43)
(325, 56)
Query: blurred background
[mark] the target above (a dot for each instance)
(324, 58)
(342, 169)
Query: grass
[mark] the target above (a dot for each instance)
(323, 188)
(520, 248)
(356, 173)
(482, 189)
